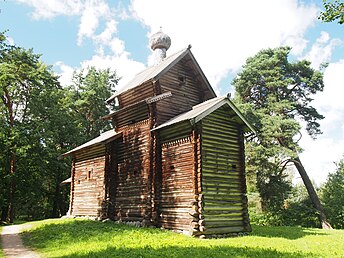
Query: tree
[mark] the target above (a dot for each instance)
(27, 88)
(275, 95)
(334, 10)
(85, 99)
(40, 120)
(299, 210)
(332, 195)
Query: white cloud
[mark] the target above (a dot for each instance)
(319, 155)
(225, 33)
(321, 50)
(92, 13)
(49, 9)
(65, 73)
(10, 41)
(122, 64)
(332, 96)
(107, 34)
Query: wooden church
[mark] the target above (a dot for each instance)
(174, 158)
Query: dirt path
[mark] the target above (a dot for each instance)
(12, 244)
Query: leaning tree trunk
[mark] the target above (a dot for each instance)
(312, 193)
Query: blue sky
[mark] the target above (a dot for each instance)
(75, 34)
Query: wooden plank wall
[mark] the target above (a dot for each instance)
(224, 204)
(135, 114)
(136, 94)
(88, 186)
(177, 194)
(132, 191)
(184, 94)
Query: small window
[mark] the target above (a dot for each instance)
(90, 174)
(182, 80)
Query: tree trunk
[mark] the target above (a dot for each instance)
(4, 212)
(10, 213)
(56, 211)
(13, 160)
(312, 193)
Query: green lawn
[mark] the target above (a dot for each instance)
(84, 238)
(1, 252)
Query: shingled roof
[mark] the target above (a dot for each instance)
(201, 110)
(101, 139)
(156, 71)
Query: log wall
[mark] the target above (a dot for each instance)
(131, 200)
(136, 94)
(137, 113)
(224, 201)
(186, 92)
(177, 186)
(88, 187)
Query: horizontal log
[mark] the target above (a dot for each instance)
(229, 223)
(223, 230)
(214, 176)
(230, 196)
(212, 127)
(129, 218)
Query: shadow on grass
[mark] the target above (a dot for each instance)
(290, 233)
(182, 252)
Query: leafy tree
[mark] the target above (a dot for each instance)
(276, 94)
(334, 10)
(86, 97)
(332, 195)
(299, 210)
(40, 120)
(27, 90)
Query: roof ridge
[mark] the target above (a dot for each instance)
(149, 73)
(208, 101)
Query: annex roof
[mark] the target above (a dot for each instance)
(154, 72)
(66, 181)
(101, 139)
(201, 110)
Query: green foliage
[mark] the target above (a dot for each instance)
(301, 213)
(332, 195)
(275, 94)
(30, 95)
(299, 210)
(81, 238)
(40, 120)
(85, 100)
(334, 11)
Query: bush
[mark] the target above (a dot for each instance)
(332, 195)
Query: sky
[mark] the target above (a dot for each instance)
(76, 34)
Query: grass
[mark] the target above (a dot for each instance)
(84, 238)
(1, 252)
